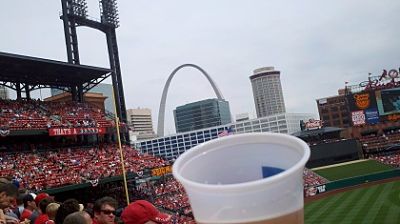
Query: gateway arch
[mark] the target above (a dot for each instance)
(161, 112)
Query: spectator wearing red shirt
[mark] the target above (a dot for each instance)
(43, 217)
(29, 207)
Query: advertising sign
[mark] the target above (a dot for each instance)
(313, 124)
(388, 79)
(161, 171)
(311, 191)
(75, 131)
(358, 117)
(372, 116)
(393, 117)
(362, 101)
(363, 108)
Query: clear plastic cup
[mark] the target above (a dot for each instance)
(245, 178)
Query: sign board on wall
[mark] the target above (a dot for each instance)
(75, 131)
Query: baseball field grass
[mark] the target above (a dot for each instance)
(352, 169)
(375, 204)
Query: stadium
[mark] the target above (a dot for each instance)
(70, 147)
(357, 168)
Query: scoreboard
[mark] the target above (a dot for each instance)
(374, 106)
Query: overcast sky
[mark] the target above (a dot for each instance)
(317, 46)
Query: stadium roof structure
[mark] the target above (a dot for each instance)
(316, 132)
(44, 73)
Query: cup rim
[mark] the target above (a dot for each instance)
(274, 138)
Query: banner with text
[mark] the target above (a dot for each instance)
(76, 131)
(363, 108)
(161, 171)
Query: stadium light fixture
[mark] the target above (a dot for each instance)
(78, 8)
(109, 12)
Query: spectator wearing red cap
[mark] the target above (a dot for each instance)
(104, 210)
(40, 197)
(36, 212)
(43, 217)
(143, 212)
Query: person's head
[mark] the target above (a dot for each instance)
(40, 197)
(51, 210)
(143, 212)
(87, 217)
(78, 218)
(8, 195)
(44, 203)
(67, 207)
(89, 211)
(20, 198)
(29, 202)
(104, 210)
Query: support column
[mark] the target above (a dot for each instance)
(27, 92)
(73, 93)
(80, 93)
(18, 89)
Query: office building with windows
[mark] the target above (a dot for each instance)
(267, 92)
(140, 123)
(170, 147)
(333, 111)
(202, 114)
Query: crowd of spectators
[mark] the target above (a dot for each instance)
(75, 114)
(37, 115)
(391, 159)
(378, 143)
(170, 195)
(312, 179)
(22, 115)
(48, 169)
(39, 170)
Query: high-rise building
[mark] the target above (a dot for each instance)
(267, 92)
(140, 122)
(3, 93)
(104, 88)
(202, 114)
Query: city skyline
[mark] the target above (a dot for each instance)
(316, 46)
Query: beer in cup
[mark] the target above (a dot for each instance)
(245, 178)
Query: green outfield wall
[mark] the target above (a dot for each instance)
(353, 181)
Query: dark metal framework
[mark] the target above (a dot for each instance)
(25, 74)
(74, 14)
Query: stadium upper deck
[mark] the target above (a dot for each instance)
(33, 73)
